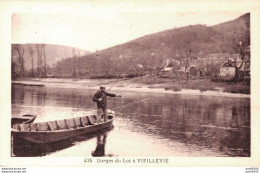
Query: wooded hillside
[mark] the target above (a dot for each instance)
(148, 54)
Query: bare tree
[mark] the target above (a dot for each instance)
(39, 53)
(154, 63)
(185, 48)
(13, 65)
(183, 54)
(31, 51)
(20, 51)
(242, 47)
(108, 66)
(44, 62)
(74, 63)
(138, 66)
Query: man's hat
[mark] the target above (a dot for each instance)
(102, 87)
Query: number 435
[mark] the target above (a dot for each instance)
(89, 160)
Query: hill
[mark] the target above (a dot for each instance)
(236, 27)
(199, 39)
(148, 53)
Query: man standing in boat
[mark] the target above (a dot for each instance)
(101, 98)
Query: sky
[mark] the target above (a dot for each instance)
(95, 27)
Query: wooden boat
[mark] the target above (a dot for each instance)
(51, 131)
(25, 119)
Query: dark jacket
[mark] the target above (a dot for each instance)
(102, 104)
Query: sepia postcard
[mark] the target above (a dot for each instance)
(129, 83)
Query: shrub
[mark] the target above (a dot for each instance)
(238, 89)
(174, 88)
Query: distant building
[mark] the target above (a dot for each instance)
(140, 65)
(167, 72)
(196, 71)
(169, 68)
(50, 75)
(227, 70)
(173, 69)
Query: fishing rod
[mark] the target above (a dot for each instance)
(117, 80)
(113, 84)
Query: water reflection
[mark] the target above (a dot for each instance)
(221, 127)
(204, 126)
(101, 143)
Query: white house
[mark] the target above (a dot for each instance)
(228, 69)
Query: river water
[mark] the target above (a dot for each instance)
(146, 124)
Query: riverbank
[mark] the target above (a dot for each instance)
(153, 85)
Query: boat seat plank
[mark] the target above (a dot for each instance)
(71, 123)
(54, 125)
(92, 119)
(50, 126)
(33, 127)
(78, 122)
(43, 126)
(61, 124)
(24, 127)
(85, 121)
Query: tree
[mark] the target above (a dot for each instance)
(133, 65)
(39, 49)
(20, 51)
(75, 55)
(242, 47)
(31, 51)
(13, 73)
(107, 63)
(73, 63)
(183, 51)
(44, 74)
(155, 63)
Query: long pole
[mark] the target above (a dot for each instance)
(113, 84)
(116, 81)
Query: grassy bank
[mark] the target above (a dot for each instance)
(199, 84)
